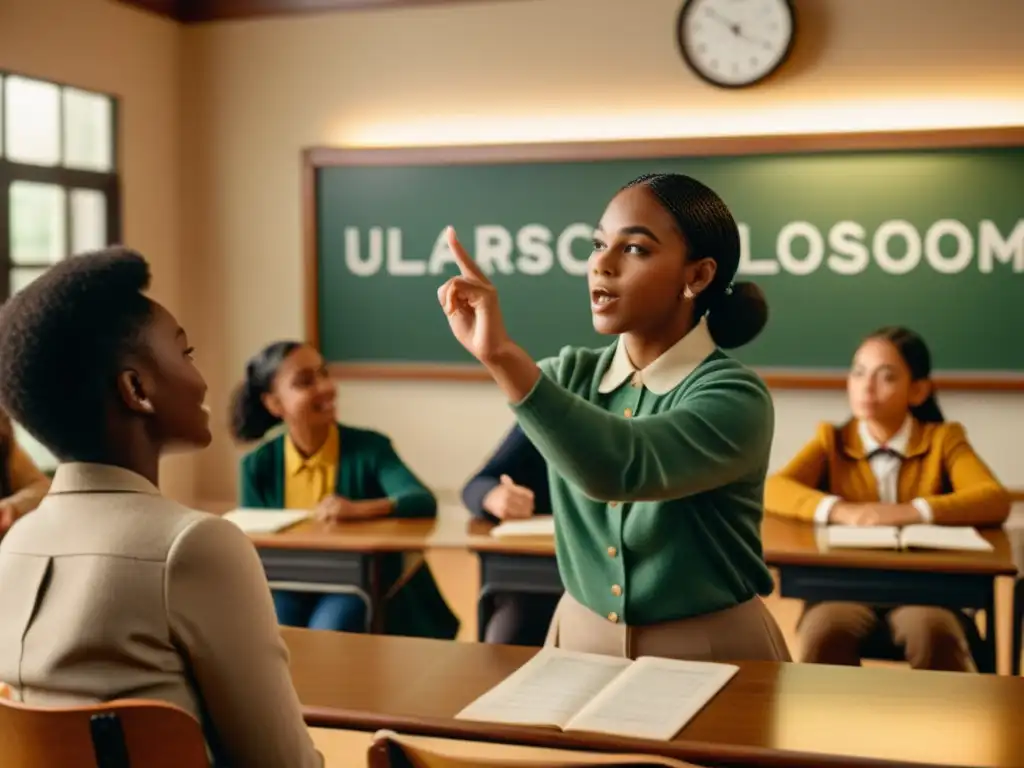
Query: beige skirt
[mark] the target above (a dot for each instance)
(744, 632)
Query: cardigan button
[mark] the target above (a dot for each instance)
(613, 617)
(616, 590)
(612, 551)
(628, 413)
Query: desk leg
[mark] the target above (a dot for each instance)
(375, 621)
(991, 664)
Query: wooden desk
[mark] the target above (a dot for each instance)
(318, 557)
(808, 570)
(781, 715)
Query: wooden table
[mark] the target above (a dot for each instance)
(770, 714)
(346, 557)
(808, 570)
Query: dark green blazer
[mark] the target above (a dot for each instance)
(368, 468)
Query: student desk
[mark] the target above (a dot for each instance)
(345, 557)
(808, 570)
(770, 714)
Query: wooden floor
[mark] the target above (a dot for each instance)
(459, 578)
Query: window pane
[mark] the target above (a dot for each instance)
(33, 121)
(38, 231)
(40, 455)
(87, 130)
(22, 276)
(88, 220)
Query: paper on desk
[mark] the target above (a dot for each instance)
(654, 698)
(863, 536)
(543, 525)
(548, 690)
(962, 538)
(266, 520)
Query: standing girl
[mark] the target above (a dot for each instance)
(657, 444)
(896, 462)
(342, 473)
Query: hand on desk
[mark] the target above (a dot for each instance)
(847, 513)
(508, 501)
(338, 509)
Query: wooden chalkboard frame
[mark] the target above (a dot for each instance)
(316, 158)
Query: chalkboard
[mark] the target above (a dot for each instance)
(844, 233)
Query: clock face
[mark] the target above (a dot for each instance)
(733, 43)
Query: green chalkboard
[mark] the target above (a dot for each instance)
(843, 233)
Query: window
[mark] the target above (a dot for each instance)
(59, 187)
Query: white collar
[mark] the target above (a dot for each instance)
(668, 371)
(897, 443)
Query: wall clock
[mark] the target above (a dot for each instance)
(736, 43)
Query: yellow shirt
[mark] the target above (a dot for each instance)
(307, 481)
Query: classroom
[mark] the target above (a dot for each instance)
(296, 170)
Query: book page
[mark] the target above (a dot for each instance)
(265, 520)
(548, 690)
(534, 526)
(862, 537)
(654, 698)
(944, 537)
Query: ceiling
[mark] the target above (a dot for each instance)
(195, 11)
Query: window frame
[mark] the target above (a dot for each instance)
(106, 182)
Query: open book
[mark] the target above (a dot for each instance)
(910, 537)
(266, 520)
(542, 525)
(650, 698)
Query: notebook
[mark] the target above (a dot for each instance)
(542, 525)
(266, 520)
(650, 698)
(911, 537)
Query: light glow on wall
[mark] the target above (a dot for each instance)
(817, 117)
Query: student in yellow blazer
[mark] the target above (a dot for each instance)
(896, 462)
(343, 474)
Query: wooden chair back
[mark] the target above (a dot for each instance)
(391, 750)
(118, 734)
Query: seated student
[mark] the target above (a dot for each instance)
(108, 590)
(341, 472)
(896, 462)
(22, 485)
(513, 484)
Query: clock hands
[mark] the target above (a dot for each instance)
(732, 25)
(736, 29)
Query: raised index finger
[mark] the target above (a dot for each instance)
(467, 266)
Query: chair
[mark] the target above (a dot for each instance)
(391, 750)
(879, 646)
(119, 734)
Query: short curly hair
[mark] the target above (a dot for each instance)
(62, 339)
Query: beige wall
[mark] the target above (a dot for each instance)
(99, 45)
(232, 104)
(258, 92)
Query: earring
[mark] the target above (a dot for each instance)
(688, 294)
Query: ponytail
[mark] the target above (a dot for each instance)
(250, 419)
(928, 412)
(736, 311)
